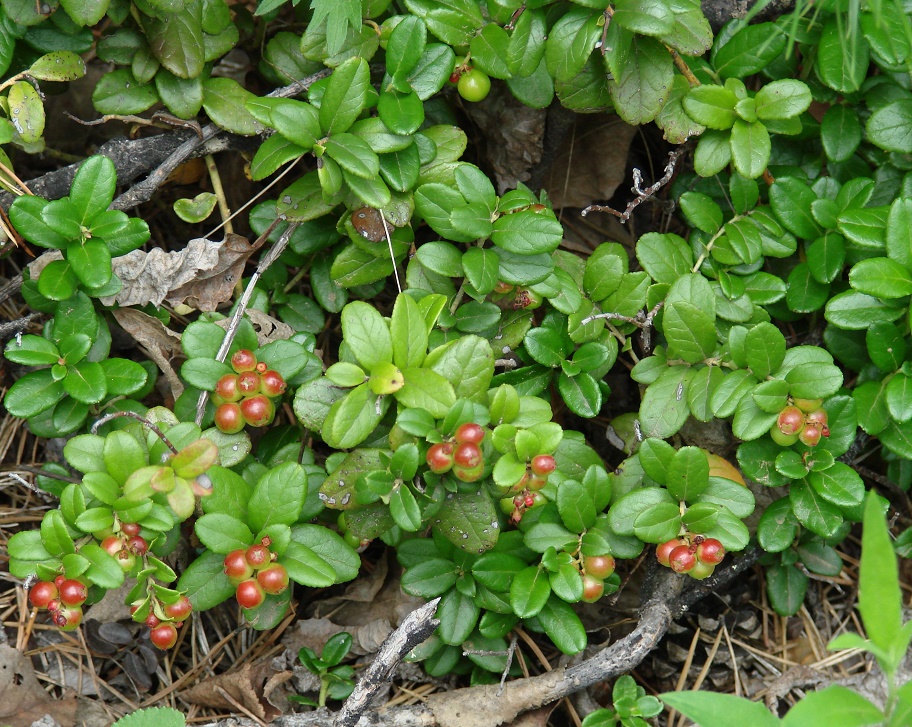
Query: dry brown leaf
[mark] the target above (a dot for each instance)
(203, 274)
(513, 133)
(22, 700)
(160, 343)
(250, 686)
(591, 163)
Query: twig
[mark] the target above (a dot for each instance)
(16, 327)
(31, 485)
(642, 320)
(641, 194)
(268, 259)
(416, 627)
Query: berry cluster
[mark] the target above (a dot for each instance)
(803, 420)
(694, 555)
(126, 546)
(245, 397)
(473, 84)
(528, 487)
(595, 569)
(255, 573)
(163, 620)
(462, 454)
(63, 598)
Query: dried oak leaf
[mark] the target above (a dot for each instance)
(591, 162)
(22, 700)
(202, 275)
(160, 343)
(249, 686)
(268, 329)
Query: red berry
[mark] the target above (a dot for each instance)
(67, 618)
(58, 581)
(454, 77)
(543, 464)
(272, 383)
(790, 420)
(112, 545)
(229, 418)
(130, 529)
(599, 566)
(249, 594)
(710, 551)
(73, 593)
(236, 566)
(528, 501)
(273, 580)
(243, 360)
(440, 457)
(701, 570)
(258, 411)
(42, 593)
(179, 610)
(227, 388)
(808, 405)
(164, 636)
(152, 620)
(681, 559)
(470, 432)
(138, 545)
(467, 455)
(249, 383)
(469, 474)
(261, 367)
(663, 550)
(593, 588)
(537, 482)
(810, 435)
(258, 555)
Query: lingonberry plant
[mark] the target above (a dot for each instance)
(418, 358)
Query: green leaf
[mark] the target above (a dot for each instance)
(34, 393)
(222, 533)
(405, 46)
(570, 43)
(786, 587)
(765, 349)
(889, 126)
(842, 55)
(176, 40)
(690, 331)
(814, 380)
(26, 111)
(339, 16)
(839, 484)
(711, 106)
(879, 598)
(182, 96)
(277, 497)
(453, 21)
(881, 277)
(489, 50)
(751, 147)
(429, 578)
(659, 523)
(527, 232)
(351, 419)
(576, 506)
(104, 570)
(748, 51)
(563, 626)
(469, 521)
(815, 513)
(31, 350)
(345, 96)
(581, 393)
(663, 409)
(529, 591)
(458, 616)
(225, 101)
(840, 132)
(646, 73)
(467, 364)
(835, 704)
(688, 474)
(791, 201)
(665, 257)
(60, 65)
(713, 153)
(647, 17)
(712, 709)
(304, 566)
(367, 334)
(782, 99)
(331, 548)
(205, 582)
(119, 93)
(426, 389)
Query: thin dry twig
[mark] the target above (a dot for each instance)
(641, 194)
